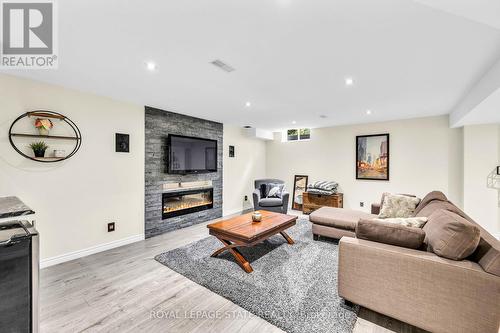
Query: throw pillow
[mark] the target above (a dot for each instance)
(263, 190)
(275, 191)
(450, 235)
(390, 233)
(398, 206)
(415, 222)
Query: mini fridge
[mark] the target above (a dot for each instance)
(19, 268)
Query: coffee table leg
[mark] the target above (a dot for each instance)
(236, 254)
(288, 239)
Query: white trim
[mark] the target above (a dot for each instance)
(236, 212)
(232, 212)
(90, 250)
(497, 235)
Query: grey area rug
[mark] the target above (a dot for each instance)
(292, 286)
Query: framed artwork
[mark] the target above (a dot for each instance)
(299, 187)
(231, 151)
(372, 157)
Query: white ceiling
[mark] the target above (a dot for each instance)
(484, 11)
(291, 58)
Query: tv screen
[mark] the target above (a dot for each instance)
(191, 155)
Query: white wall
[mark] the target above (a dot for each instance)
(240, 171)
(481, 193)
(425, 155)
(75, 199)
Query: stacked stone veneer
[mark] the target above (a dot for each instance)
(159, 124)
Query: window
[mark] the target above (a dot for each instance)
(292, 135)
(298, 134)
(305, 133)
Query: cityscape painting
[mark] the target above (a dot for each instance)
(372, 157)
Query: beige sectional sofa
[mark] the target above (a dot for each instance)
(417, 286)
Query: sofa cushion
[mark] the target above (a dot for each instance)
(450, 235)
(270, 202)
(388, 193)
(275, 190)
(396, 205)
(390, 233)
(487, 253)
(431, 196)
(416, 222)
(338, 217)
(263, 190)
(435, 205)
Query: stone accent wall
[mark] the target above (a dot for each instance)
(159, 124)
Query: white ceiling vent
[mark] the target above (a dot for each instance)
(222, 65)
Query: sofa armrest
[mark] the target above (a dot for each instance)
(418, 287)
(376, 208)
(256, 198)
(285, 196)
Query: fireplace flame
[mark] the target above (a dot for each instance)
(172, 207)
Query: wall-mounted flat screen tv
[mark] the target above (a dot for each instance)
(191, 155)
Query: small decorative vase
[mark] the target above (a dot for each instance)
(39, 153)
(257, 216)
(43, 131)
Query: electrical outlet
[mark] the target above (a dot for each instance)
(361, 204)
(246, 197)
(111, 226)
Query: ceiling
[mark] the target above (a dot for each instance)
(291, 57)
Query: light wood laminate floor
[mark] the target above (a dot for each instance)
(126, 290)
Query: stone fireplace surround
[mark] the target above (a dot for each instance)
(158, 125)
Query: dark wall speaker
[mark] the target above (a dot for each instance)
(122, 142)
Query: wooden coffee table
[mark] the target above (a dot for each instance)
(241, 231)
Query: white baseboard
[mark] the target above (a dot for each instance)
(234, 212)
(90, 250)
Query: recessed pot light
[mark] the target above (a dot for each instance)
(323, 116)
(150, 65)
(349, 81)
(294, 122)
(368, 112)
(248, 104)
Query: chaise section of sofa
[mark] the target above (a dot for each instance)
(336, 222)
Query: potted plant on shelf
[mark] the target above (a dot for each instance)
(43, 125)
(39, 148)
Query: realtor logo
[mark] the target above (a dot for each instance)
(28, 34)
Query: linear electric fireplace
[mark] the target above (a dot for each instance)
(187, 201)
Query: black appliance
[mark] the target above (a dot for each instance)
(19, 267)
(188, 154)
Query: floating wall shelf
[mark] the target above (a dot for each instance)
(47, 114)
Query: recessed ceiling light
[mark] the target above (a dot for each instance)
(248, 104)
(323, 116)
(349, 81)
(150, 65)
(294, 122)
(368, 112)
